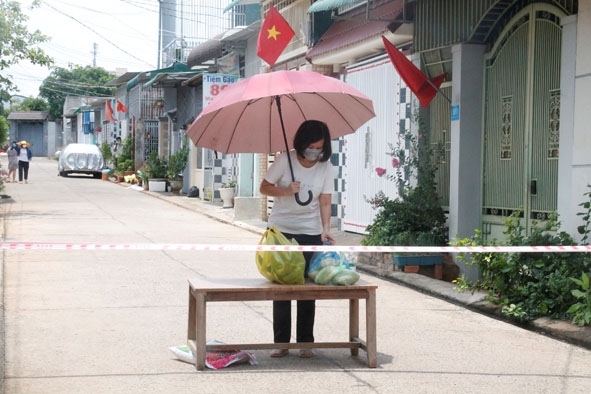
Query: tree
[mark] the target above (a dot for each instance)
(32, 104)
(17, 43)
(3, 130)
(74, 81)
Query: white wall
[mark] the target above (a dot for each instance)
(575, 139)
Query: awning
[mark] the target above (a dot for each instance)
(177, 67)
(210, 49)
(327, 5)
(122, 79)
(355, 29)
(171, 79)
(234, 3)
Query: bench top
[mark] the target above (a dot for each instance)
(261, 285)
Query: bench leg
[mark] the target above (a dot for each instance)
(370, 321)
(200, 325)
(354, 324)
(191, 322)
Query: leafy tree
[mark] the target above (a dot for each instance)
(74, 81)
(32, 104)
(17, 43)
(3, 130)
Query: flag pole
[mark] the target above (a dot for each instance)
(438, 90)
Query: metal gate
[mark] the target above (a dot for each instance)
(521, 124)
(366, 149)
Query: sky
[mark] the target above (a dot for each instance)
(125, 31)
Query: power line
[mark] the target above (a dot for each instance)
(97, 33)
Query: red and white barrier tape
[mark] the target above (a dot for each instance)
(303, 248)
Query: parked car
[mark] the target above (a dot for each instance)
(80, 159)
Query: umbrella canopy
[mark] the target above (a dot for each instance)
(245, 118)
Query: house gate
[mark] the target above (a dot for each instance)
(367, 148)
(521, 120)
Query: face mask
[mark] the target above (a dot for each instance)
(312, 154)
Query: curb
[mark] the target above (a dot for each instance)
(558, 329)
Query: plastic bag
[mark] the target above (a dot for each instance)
(282, 267)
(215, 360)
(332, 268)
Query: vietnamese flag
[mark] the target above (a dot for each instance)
(425, 89)
(120, 106)
(274, 36)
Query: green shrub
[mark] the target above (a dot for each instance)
(527, 285)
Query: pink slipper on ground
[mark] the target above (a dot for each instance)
(306, 353)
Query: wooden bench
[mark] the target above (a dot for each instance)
(202, 292)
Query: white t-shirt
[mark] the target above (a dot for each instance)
(287, 215)
(23, 155)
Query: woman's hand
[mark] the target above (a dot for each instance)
(326, 236)
(294, 187)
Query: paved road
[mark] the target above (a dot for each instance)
(102, 321)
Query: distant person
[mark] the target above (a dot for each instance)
(117, 150)
(12, 161)
(24, 157)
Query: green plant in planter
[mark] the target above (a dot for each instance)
(178, 162)
(125, 161)
(155, 166)
(105, 149)
(230, 185)
(416, 217)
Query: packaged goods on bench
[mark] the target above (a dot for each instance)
(332, 268)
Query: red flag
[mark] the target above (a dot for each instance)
(412, 76)
(121, 107)
(274, 36)
(109, 112)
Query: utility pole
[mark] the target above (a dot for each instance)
(94, 52)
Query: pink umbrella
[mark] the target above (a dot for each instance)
(261, 114)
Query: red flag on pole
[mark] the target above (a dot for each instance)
(274, 36)
(109, 112)
(425, 89)
(121, 107)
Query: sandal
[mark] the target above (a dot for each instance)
(306, 353)
(278, 353)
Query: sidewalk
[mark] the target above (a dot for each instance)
(562, 330)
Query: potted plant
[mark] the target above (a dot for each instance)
(125, 163)
(156, 170)
(176, 166)
(105, 149)
(227, 191)
(415, 218)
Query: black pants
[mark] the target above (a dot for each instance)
(23, 167)
(305, 309)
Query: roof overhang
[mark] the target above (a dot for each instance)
(122, 79)
(177, 67)
(357, 34)
(369, 46)
(213, 48)
(171, 79)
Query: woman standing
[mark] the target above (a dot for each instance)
(12, 160)
(24, 157)
(307, 224)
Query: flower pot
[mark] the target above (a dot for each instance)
(227, 196)
(430, 259)
(176, 185)
(105, 176)
(157, 185)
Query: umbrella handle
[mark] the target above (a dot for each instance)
(303, 203)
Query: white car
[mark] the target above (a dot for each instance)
(80, 159)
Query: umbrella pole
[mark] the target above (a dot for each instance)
(297, 197)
